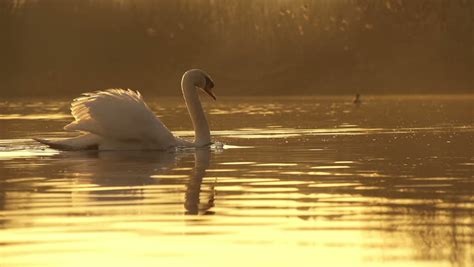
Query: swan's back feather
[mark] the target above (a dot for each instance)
(118, 114)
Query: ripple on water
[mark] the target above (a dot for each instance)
(54, 116)
(347, 183)
(9, 153)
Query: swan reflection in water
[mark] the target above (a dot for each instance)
(125, 175)
(192, 202)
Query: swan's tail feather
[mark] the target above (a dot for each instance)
(82, 142)
(53, 144)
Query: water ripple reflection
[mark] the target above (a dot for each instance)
(376, 192)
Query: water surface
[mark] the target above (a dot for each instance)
(303, 180)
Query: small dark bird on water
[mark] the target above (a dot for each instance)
(357, 100)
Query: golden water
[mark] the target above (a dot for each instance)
(299, 181)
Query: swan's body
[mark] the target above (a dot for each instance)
(117, 119)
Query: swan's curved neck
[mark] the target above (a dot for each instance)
(202, 135)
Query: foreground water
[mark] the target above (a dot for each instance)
(303, 181)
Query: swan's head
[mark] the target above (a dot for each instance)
(201, 80)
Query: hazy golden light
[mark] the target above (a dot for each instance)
(334, 142)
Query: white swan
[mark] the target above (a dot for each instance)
(117, 119)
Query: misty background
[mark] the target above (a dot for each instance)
(250, 47)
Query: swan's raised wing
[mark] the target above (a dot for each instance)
(118, 114)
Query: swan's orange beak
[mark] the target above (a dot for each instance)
(208, 88)
(210, 93)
